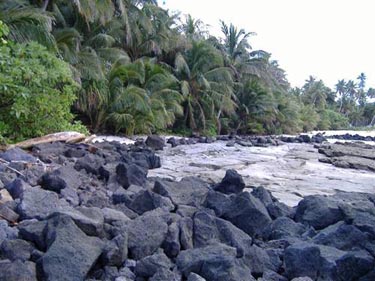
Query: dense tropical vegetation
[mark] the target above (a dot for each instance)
(129, 66)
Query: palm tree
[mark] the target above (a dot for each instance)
(207, 86)
(315, 93)
(362, 80)
(27, 23)
(235, 41)
(194, 29)
(143, 97)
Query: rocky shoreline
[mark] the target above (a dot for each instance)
(96, 212)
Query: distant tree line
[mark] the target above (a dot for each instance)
(129, 66)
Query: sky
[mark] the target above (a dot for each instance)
(328, 39)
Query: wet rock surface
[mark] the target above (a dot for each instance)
(349, 155)
(110, 218)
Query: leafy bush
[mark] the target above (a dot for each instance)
(36, 92)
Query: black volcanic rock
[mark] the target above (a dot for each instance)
(231, 183)
(103, 219)
(155, 142)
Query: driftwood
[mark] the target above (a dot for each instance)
(69, 137)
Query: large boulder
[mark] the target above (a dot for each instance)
(115, 251)
(90, 163)
(284, 227)
(189, 191)
(147, 156)
(148, 266)
(16, 249)
(341, 236)
(17, 187)
(354, 265)
(64, 177)
(155, 142)
(214, 262)
(318, 262)
(231, 183)
(171, 244)
(18, 155)
(247, 213)
(71, 253)
(34, 231)
(7, 232)
(130, 174)
(89, 219)
(39, 203)
(319, 211)
(17, 270)
(146, 234)
(147, 200)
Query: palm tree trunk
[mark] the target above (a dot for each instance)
(45, 5)
(372, 123)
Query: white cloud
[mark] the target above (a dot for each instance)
(329, 39)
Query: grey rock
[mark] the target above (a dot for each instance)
(34, 231)
(115, 251)
(186, 233)
(70, 195)
(16, 249)
(258, 260)
(111, 215)
(354, 265)
(89, 219)
(365, 222)
(165, 275)
(205, 230)
(217, 201)
(213, 262)
(17, 270)
(302, 259)
(7, 232)
(155, 142)
(146, 156)
(189, 191)
(17, 187)
(147, 200)
(284, 227)
(349, 155)
(318, 211)
(17, 154)
(272, 276)
(341, 236)
(171, 244)
(61, 178)
(248, 213)
(231, 183)
(71, 253)
(146, 234)
(310, 260)
(39, 203)
(173, 142)
(125, 275)
(278, 209)
(148, 266)
(263, 195)
(121, 195)
(186, 211)
(90, 163)
(195, 277)
(369, 276)
(130, 174)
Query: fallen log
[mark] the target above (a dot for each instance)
(69, 137)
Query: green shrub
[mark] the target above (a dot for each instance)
(36, 92)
